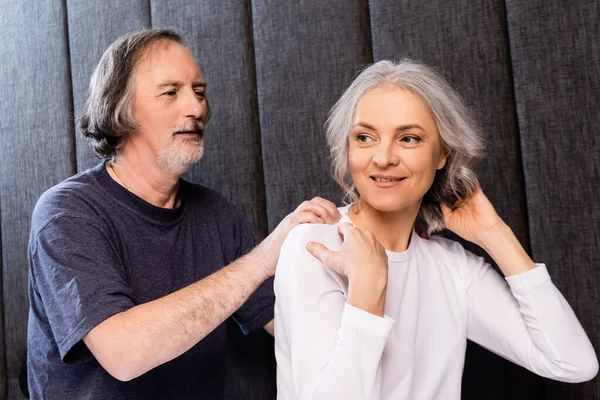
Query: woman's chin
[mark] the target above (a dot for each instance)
(389, 205)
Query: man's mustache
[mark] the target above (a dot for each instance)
(190, 127)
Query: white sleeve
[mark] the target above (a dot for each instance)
(335, 348)
(528, 322)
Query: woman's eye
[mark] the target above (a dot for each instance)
(363, 138)
(410, 139)
(200, 94)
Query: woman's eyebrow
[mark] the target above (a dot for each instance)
(407, 127)
(400, 128)
(364, 125)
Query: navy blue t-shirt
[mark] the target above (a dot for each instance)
(97, 249)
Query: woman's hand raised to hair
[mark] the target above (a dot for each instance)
(364, 261)
(473, 219)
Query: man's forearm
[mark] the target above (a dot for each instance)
(133, 342)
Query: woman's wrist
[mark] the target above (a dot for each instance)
(491, 235)
(367, 291)
(503, 246)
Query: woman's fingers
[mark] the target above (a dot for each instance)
(345, 229)
(446, 211)
(326, 256)
(317, 250)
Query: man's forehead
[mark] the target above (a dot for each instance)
(167, 56)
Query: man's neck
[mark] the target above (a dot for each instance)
(392, 229)
(146, 180)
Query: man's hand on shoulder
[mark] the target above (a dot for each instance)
(315, 211)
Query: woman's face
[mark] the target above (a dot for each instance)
(394, 149)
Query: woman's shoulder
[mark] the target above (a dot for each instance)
(326, 234)
(297, 266)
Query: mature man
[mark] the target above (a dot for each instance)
(133, 270)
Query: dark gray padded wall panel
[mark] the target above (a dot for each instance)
(3, 376)
(467, 42)
(93, 25)
(306, 55)
(556, 67)
(36, 146)
(219, 34)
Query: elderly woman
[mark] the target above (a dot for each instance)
(367, 309)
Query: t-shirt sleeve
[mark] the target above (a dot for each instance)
(259, 309)
(78, 276)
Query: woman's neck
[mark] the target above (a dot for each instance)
(393, 229)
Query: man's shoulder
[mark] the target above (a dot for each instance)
(71, 197)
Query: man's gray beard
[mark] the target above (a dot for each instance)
(178, 158)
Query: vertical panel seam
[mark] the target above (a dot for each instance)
(527, 220)
(261, 165)
(150, 13)
(3, 358)
(509, 63)
(370, 30)
(71, 111)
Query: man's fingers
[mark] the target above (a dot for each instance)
(307, 217)
(331, 208)
(321, 207)
(315, 208)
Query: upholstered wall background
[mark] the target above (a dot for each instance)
(529, 68)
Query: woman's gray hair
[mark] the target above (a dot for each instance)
(108, 115)
(459, 134)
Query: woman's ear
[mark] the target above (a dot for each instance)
(443, 159)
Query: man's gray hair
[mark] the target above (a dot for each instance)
(108, 115)
(458, 132)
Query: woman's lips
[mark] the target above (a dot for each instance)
(386, 182)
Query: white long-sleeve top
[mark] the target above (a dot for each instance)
(438, 295)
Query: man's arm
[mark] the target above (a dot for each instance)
(132, 342)
(270, 327)
(135, 341)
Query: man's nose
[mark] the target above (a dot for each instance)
(195, 106)
(385, 155)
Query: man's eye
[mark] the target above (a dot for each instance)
(171, 93)
(200, 94)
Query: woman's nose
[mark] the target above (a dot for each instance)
(385, 156)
